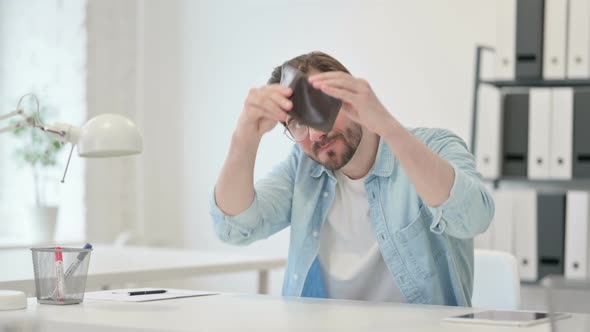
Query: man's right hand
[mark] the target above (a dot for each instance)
(263, 108)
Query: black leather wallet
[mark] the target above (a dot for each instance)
(311, 106)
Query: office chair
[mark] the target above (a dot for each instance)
(496, 283)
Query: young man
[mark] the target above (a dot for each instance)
(377, 211)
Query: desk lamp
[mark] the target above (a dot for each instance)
(106, 135)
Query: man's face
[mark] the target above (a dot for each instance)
(335, 148)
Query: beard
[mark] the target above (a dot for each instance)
(351, 139)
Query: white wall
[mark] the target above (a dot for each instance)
(112, 84)
(134, 69)
(197, 60)
(163, 113)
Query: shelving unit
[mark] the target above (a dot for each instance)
(549, 193)
(522, 84)
(538, 83)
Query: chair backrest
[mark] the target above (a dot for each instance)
(496, 283)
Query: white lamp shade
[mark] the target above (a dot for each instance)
(109, 135)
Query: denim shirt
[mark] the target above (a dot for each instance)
(429, 250)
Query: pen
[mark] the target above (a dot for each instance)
(148, 292)
(72, 268)
(59, 273)
(78, 261)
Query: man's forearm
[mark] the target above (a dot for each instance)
(431, 175)
(234, 191)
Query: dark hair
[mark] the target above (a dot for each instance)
(319, 61)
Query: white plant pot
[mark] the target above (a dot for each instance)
(43, 221)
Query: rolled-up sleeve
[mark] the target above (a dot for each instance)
(269, 212)
(469, 209)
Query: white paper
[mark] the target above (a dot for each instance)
(123, 295)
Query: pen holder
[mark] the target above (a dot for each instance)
(60, 274)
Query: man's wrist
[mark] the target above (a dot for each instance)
(390, 127)
(244, 136)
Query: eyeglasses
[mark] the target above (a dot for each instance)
(295, 130)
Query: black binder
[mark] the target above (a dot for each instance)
(581, 156)
(515, 132)
(550, 234)
(529, 39)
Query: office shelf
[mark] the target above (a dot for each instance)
(539, 184)
(535, 127)
(537, 83)
(500, 84)
(541, 181)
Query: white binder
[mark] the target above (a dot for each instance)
(555, 36)
(525, 232)
(577, 235)
(562, 133)
(503, 225)
(578, 52)
(506, 40)
(489, 124)
(486, 239)
(539, 133)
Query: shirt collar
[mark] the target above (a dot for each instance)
(385, 161)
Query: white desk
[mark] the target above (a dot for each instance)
(228, 312)
(119, 265)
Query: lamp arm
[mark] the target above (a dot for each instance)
(12, 114)
(13, 127)
(27, 122)
(63, 132)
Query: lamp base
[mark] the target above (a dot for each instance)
(12, 300)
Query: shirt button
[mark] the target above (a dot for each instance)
(295, 277)
(325, 194)
(315, 234)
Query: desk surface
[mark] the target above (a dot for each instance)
(233, 312)
(116, 265)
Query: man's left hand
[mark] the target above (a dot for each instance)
(359, 101)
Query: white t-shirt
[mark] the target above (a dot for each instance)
(349, 256)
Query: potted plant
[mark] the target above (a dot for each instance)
(39, 152)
